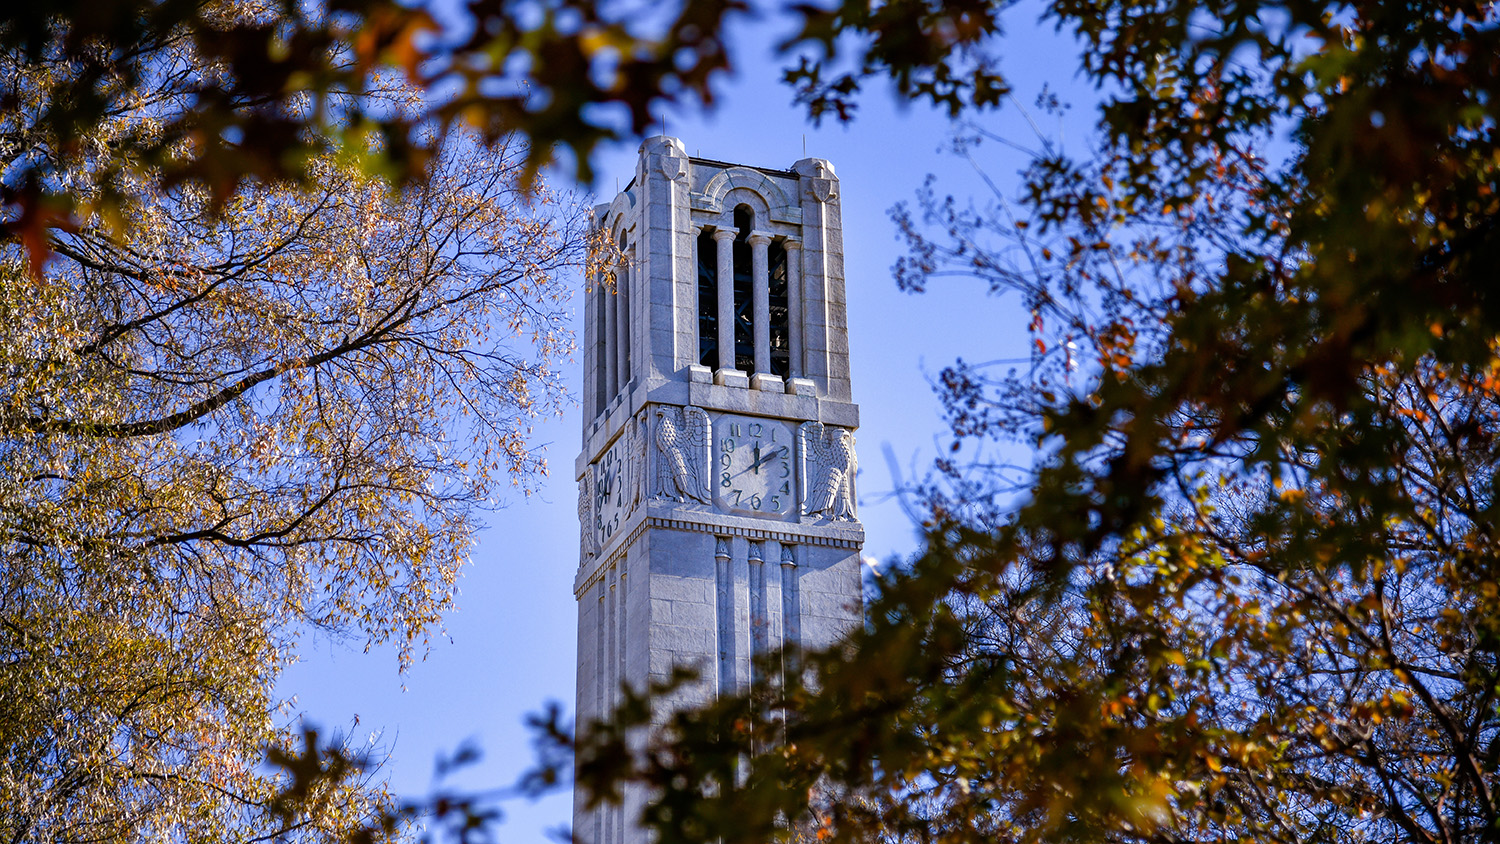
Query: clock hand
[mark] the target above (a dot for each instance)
(762, 460)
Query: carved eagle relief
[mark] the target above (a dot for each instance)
(828, 471)
(589, 543)
(682, 453)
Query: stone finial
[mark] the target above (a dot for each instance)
(671, 156)
(663, 145)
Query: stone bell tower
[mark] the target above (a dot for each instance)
(716, 481)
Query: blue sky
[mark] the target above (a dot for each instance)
(509, 646)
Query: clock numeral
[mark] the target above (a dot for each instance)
(608, 528)
(748, 451)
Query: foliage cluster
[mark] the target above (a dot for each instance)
(1249, 590)
(216, 92)
(252, 410)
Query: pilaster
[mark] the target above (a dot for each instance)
(668, 343)
(824, 332)
(592, 342)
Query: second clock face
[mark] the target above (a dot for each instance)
(753, 466)
(609, 491)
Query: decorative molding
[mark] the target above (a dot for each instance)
(620, 207)
(790, 537)
(779, 207)
(675, 169)
(822, 189)
(785, 537)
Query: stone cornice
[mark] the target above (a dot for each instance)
(847, 535)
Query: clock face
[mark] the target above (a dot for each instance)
(753, 466)
(609, 491)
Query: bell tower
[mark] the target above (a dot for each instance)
(716, 480)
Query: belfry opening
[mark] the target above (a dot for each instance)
(749, 274)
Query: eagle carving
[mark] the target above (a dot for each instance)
(828, 452)
(681, 453)
(589, 543)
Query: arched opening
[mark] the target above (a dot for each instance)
(743, 283)
(624, 329)
(708, 300)
(744, 291)
(601, 339)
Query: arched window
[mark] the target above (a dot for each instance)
(743, 268)
(744, 292)
(708, 300)
(622, 312)
(612, 327)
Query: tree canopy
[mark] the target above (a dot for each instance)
(215, 92)
(238, 419)
(1247, 589)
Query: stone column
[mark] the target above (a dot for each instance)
(794, 307)
(791, 606)
(725, 239)
(591, 361)
(760, 286)
(760, 621)
(724, 614)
